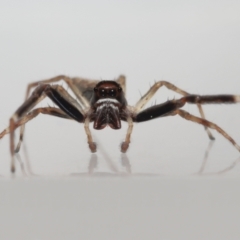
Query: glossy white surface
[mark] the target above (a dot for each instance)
(120, 208)
(155, 191)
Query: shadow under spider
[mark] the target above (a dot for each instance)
(93, 162)
(91, 166)
(205, 160)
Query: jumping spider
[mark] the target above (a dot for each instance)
(104, 104)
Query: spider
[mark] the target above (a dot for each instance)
(104, 104)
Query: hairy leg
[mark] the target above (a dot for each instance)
(150, 93)
(125, 144)
(92, 145)
(47, 110)
(206, 123)
(173, 107)
(64, 102)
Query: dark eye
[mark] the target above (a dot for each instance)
(119, 89)
(95, 89)
(113, 92)
(102, 92)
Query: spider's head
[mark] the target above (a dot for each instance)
(107, 89)
(107, 102)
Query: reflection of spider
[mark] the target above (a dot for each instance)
(104, 103)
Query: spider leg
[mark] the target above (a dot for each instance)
(69, 81)
(125, 144)
(211, 137)
(54, 112)
(47, 110)
(206, 123)
(91, 144)
(166, 108)
(150, 93)
(172, 108)
(64, 93)
(57, 94)
(122, 81)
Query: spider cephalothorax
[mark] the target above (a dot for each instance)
(108, 104)
(104, 104)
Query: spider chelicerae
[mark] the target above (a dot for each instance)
(104, 104)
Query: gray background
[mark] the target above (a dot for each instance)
(63, 192)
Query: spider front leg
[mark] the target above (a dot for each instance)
(171, 108)
(125, 144)
(150, 93)
(92, 145)
(68, 109)
(62, 92)
(32, 85)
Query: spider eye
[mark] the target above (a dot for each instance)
(113, 92)
(119, 89)
(102, 92)
(95, 89)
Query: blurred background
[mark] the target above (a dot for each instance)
(194, 45)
